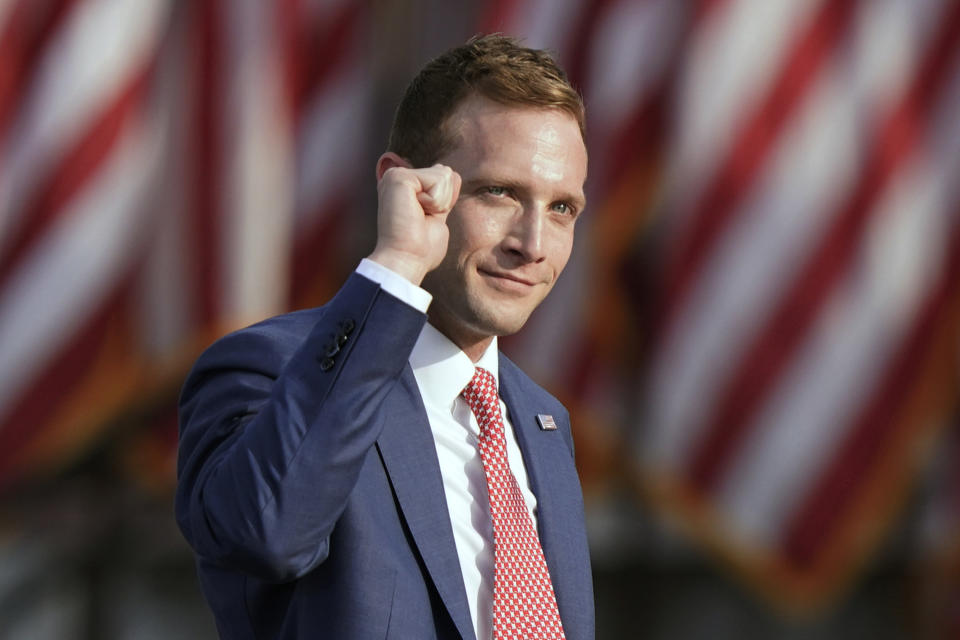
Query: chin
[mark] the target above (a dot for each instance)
(497, 325)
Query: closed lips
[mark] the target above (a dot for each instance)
(508, 276)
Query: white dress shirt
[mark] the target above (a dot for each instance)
(442, 371)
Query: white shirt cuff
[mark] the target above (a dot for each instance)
(395, 284)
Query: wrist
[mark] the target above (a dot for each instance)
(406, 265)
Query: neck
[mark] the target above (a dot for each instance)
(471, 343)
(475, 350)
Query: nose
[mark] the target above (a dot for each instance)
(526, 235)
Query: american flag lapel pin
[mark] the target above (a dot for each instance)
(545, 420)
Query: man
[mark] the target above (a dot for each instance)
(350, 471)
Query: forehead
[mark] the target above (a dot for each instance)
(483, 131)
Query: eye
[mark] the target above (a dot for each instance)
(564, 208)
(494, 190)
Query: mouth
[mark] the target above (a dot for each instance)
(508, 281)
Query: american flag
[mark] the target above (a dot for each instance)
(806, 345)
(167, 173)
(81, 148)
(774, 247)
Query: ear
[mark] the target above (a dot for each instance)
(389, 160)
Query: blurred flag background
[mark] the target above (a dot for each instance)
(758, 334)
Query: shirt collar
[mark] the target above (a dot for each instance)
(443, 370)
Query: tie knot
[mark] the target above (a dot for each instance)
(481, 394)
(483, 382)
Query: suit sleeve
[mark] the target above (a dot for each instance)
(275, 428)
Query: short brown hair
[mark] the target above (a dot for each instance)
(493, 66)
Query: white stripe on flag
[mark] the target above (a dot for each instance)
(545, 24)
(258, 166)
(167, 305)
(630, 50)
(629, 54)
(332, 141)
(736, 52)
(811, 168)
(79, 261)
(99, 48)
(898, 262)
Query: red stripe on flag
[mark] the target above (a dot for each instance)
(813, 524)
(499, 15)
(317, 251)
(747, 159)
(208, 150)
(322, 48)
(60, 376)
(704, 8)
(289, 20)
(793, 317)
(75, 168)
(583, 41)
(329, 47)
(637, 141)
(23, 38)
(641, 136)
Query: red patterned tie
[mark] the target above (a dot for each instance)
(524, 605)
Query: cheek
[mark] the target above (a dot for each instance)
(472, 230)
(559, 249)
(490, 230)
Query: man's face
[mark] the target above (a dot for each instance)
(511, 231)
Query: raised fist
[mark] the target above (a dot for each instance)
(412, 215)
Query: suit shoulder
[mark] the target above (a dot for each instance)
(282, 333)
(263, 347)
(293, 326)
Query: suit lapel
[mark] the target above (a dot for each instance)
(540, 451)
(554, 481)
(410, 457)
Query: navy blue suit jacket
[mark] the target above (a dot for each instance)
(309, 487)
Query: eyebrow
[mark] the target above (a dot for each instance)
(579, 201)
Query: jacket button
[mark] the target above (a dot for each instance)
(332, 350)
(326, 364)
(348, 326)
(341, 339)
